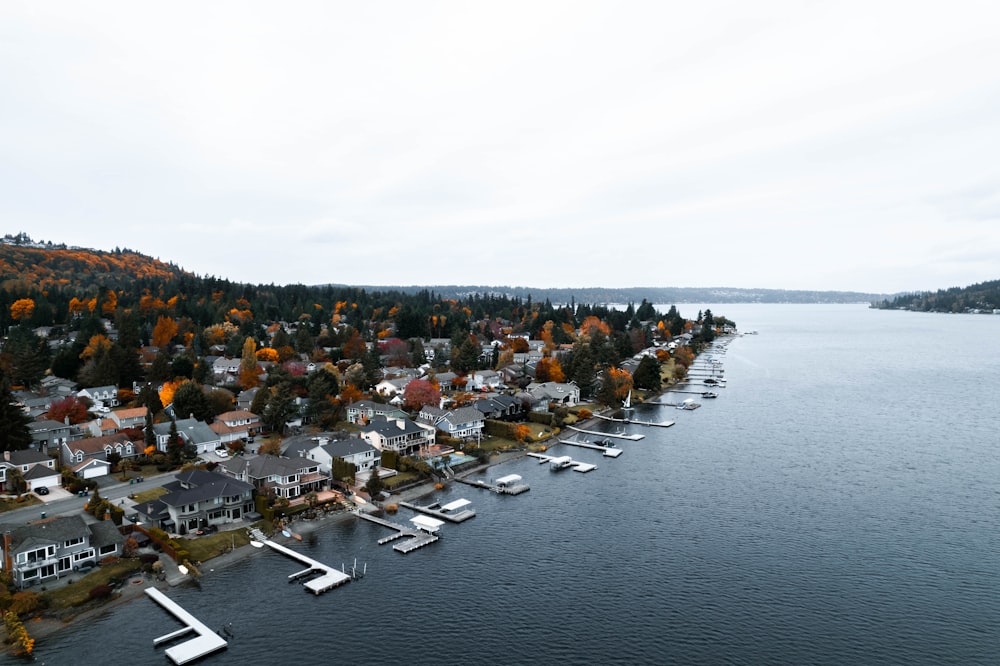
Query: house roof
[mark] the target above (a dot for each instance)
(46, 425)
(39, 472)
(198, 485)
(105, 533)
(347, 447)
(44, 532)
(237, 415)
(392, 428)
(28, 457)
(131, 413)
(261, 467)
(92, 445)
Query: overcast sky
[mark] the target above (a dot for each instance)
(788, 145)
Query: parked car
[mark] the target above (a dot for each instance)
(222, 453)
(41, 490)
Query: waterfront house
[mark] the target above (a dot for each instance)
(364, 411)
(197, 499)
(326, 447)
(460, 423)
(400, 434)
(287, 477)
(549, 392)
(55, 547)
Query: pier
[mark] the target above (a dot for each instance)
(206, 642)
(419, 537)
(575, 465)
(453, 512)
(633, 437)
(321, 577)
(505, 485)
(656, 424)
(608, 451)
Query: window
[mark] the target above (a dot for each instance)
(108, 550)
(73, 542)
(83, 555)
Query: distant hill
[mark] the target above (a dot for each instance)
(656, 295)
(25, 264)
(984, 296)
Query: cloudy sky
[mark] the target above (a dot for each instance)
(789, 145)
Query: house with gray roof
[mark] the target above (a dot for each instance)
(325, 447)
(548, 392)
(55, 547)
(49, 434)
(197, 499)
(401, 435)
(36, 468)
(81, 451)
(363, 411)
(287, 477)
(191, 431)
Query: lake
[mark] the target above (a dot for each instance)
(839, 502)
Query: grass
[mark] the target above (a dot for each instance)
(11, 504)
(149, 495)
(77, 593)
(206, 547)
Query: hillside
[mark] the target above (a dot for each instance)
(27, 265)
(984, 296)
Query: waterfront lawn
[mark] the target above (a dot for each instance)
(206, 547)
(77, 593)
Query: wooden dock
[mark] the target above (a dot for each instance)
(453, 512)
(505, 485)
(206, 642)
(608, 451)
(418, 538)
(655, 424)
(633, 437)
(321, 577)
(575, 465)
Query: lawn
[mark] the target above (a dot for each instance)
(8, 504)
(78, 592)
(206, 547)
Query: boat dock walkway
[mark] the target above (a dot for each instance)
(656, 424)
(453, 512)
(576, 465)
(609, 451)
(418, 538)
(505, 485)
(206, 642)
(633, 437)
(324, 577)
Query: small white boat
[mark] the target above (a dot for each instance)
(562, 462)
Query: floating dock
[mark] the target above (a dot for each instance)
(505, 485)
(608, 451)
(321, 577)
(633, 437)
(206, 642)
(575, 465)
(655, 424)
(423, 535)
(454, 512)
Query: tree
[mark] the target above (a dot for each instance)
(14, 433)
(69, 407)
(375, 484)
(259, 402)
(647, 374)
(465, 357)
(190, 400)
(248, 364)
(420, 392)
(29, 356)
(280, 408)
(615, 386)
(355, 346)
(549, 370)
(164, 331)
(22, 309)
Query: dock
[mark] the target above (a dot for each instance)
(575, 465)
(608, 451)
(321, 576)
(453, 512)
(505, 485)
(655, 424)
(206, 642)
(633, 437)
(419, 537)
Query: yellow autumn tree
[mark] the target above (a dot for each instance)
(96, 344)
(110, 303)
(267, 355)
(248, 364)
(22, 308)
(164, 331)
(168, 389)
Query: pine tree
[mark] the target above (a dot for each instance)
(14, 433)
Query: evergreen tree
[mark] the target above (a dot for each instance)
(14, 433)
(29, 356)
(190, 400)
(280, 408)
(647, 374)
(260, 400)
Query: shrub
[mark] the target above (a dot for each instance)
(100, 592)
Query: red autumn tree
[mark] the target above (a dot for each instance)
(420, 392)
(71, 407)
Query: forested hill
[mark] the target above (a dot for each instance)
(663, 295)
(47, 266)
(984, 296)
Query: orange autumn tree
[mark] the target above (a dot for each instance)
(549, 370)
(164, 331)
(615, 386)
(22, 308)
(248, 364)
(592, 325)
(168, 390)
(267, 355)
(96, 344)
